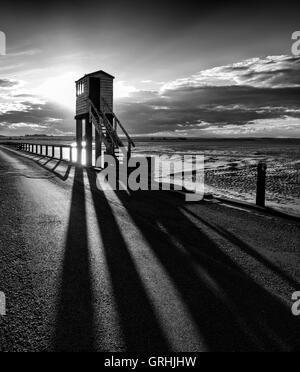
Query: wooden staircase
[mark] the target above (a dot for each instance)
(107, 125)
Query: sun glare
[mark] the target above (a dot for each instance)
(60, 89)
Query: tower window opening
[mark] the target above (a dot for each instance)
(80, 89)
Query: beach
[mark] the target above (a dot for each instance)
(230, 165)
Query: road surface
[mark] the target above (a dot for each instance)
(87, 270)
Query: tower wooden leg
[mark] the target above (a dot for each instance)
(79, 140)
(89, 142)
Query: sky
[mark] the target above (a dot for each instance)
(223, 69)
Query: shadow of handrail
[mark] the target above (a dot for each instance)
(36, 158)
(247, 249)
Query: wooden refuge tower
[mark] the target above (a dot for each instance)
(94, 106)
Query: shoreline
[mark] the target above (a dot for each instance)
(231, 173)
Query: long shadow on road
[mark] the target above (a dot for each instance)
(232, 311)
(75, 318)
(233, 314)
(141, 328)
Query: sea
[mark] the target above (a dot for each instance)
(231, 165)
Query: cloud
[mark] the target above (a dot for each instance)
(26, 126)
(281, 127)
(122, 89)
(269, 72)
(8, 83)
(22, 112)
(24, 53)
(37, 116)
(242, 94)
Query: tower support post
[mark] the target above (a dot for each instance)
(89, 141)
(79, 140)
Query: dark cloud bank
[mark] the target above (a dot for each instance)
(230, 95)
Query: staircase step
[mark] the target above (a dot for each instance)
(105, 127)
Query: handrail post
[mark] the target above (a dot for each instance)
(71, 154)
(61, 152)
(261, 184)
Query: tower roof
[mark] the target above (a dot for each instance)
(97, 73)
